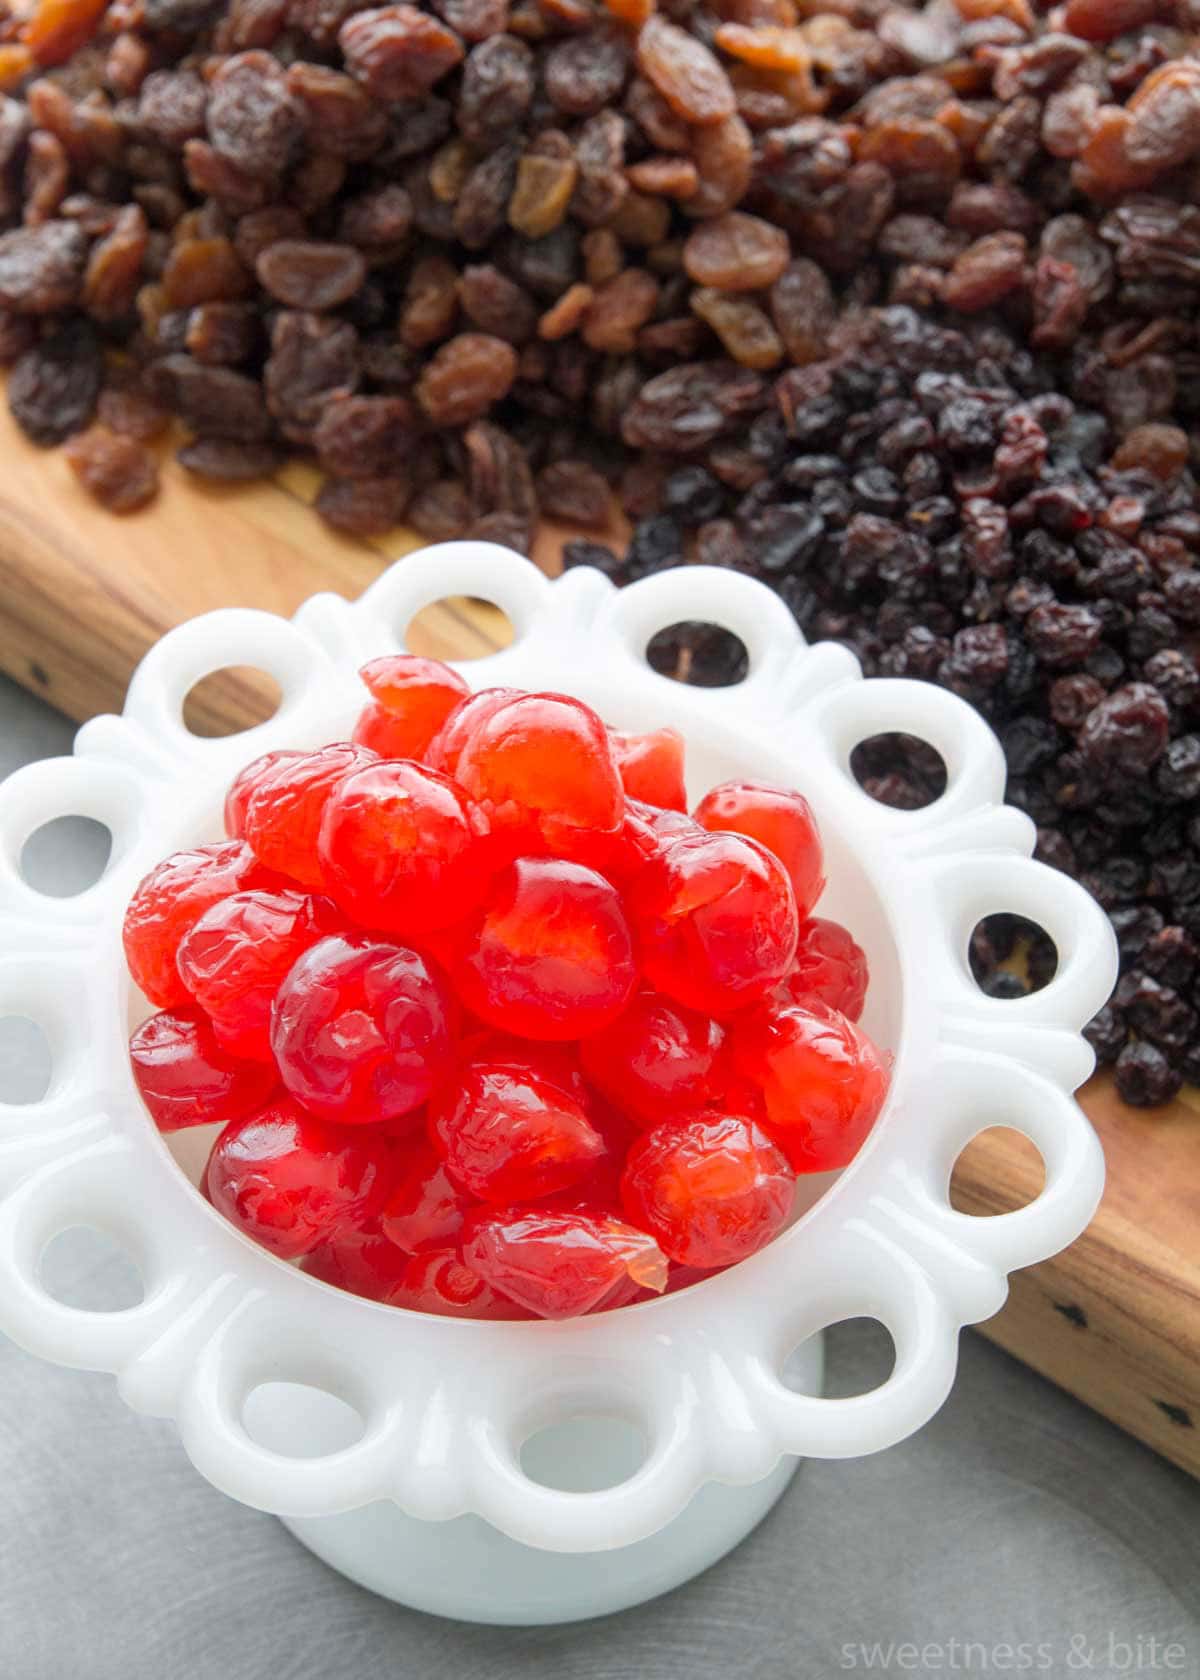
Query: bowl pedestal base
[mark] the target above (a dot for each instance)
(468, 1570)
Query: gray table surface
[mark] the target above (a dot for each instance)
(1016, 1533)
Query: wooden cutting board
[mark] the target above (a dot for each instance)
(1115, 1320)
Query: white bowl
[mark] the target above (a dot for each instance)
(225, 1329)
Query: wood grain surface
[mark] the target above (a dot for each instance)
(1115, 1320)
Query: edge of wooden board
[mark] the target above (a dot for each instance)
(1115, 1318)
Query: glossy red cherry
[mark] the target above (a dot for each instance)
(508, 1135)
(361, 1030)
(551, 956)
(411, 699)
(284, 811)
(169, 901)
(712, 1189)
(617, 856)
(425, 1208)
(234, 959)
(441, 1282)
(292, 1181)
(662, 822)
(715, 920)
(822, 1079)
(186, 1079)
(246, 783)
(543, 762)
(444, 750)
(651, 767)
(403, 849)
(559, 1263)
(779, 819)
(557, 1062)
(600, 1191)
(364, 1261)
(829, 968)
(655, 1060)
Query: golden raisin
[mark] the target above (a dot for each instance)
(465, 377)
(1155, 448)
(602, 255)
(670, 177)
(767, 48)
(618, 309)
(630, 11)
(741, 325)
(16, 62)
(736, 253)
(116, 471)
(562, 318)
(545, 181)
(203, 271)
(685, 72)
(59, 28)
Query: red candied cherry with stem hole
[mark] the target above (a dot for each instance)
(411, 698)
(551, 956)
(292, 1181)
(651, 767)
(822, 1079)
(715, 921)
(425, 1208)
(234, 960)
(779, 819)
(403, 849)
(186, 1079)
(440, 1281)
(542, 766)
(444, 751)
(360, 1030)
(655, 1059)
(507, 1134)
(284, 811)
(560, 1262)
(712, 1189)
(367, 1263)
(169, 901)
(830, 968)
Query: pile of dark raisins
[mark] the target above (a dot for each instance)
(947, 503)
(894, 305)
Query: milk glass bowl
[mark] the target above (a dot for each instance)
(476, 1469)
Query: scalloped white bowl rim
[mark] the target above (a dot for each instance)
(445, 1402)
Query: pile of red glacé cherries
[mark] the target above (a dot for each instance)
(493, 1027)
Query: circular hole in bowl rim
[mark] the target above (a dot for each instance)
(1011, 957)
(66, 855)
(458, 629)
(301, 1419)
(231, 700)
(87, 1268)
(26, 1061)
(900, 771)
(588, 1452)
(860, 1356)
(700, 654)
(999, 1170)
